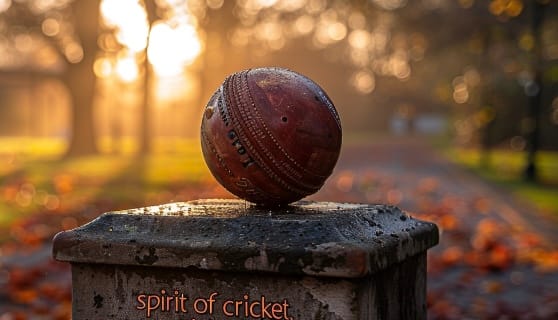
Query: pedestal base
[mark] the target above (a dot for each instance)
(225, 260)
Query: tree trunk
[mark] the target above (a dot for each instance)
(534, 93)
(145, 111)
(147, 98)
(80, 79)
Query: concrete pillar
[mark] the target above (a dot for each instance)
(227, 259)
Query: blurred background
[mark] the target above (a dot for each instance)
(449, 110)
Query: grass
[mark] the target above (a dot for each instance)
(505, 168)
(31, 147)
(35, 179)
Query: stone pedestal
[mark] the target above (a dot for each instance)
(227, 259)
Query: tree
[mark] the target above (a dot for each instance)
(78, 51)
(147, 95)
(80, 79)
(534, 92)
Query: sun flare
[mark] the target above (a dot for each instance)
(170, 48)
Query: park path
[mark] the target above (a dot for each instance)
(497, 255)
(400, 170)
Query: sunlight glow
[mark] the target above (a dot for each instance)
(172, 46)
(129, 19)
(177, 87)
(170, 49)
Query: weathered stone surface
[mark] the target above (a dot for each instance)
(122, 292)
(308, 238)
(227, 259)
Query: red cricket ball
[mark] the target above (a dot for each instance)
(270, 135)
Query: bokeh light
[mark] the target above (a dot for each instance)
(364, 82)
(50, 27)
(103, 67)
(215, 4)
(510, 8)
(73, 52)
(390, 4)
(360, 39)
(126, 68)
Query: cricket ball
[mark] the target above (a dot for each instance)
(270, 135)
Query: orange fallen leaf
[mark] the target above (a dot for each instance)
(24, 296)
(452, 255)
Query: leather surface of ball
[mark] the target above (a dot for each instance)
(270, 136)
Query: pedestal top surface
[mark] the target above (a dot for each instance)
(306, 238)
